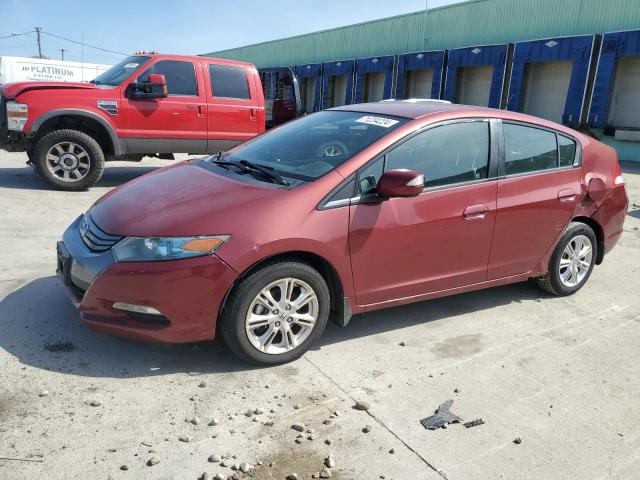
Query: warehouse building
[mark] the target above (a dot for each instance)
(576, 62)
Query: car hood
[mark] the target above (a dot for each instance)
(11, 90)
(182, 200)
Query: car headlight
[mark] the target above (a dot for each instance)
(17, 114)
(140, 249)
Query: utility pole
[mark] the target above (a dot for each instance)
(38, 30)
(424, 26)
(62, 50)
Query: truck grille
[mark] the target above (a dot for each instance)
(94, 237)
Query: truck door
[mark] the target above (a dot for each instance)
(177, 123)
(235, 114)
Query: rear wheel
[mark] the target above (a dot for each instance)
(68, 160)
(274, 315)
(572, 261)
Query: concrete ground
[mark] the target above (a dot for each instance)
(561, 374)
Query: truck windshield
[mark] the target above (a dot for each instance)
(121, 71)
(307, 148)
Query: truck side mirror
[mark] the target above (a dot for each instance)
(155, 87)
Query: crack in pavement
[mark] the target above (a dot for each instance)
(379, 421)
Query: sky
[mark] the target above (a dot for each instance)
(178, 26)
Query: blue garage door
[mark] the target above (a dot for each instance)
(419, 75)
(559, 64)
(310, 81)
(374, 79)
(337, 83)
(472, 70)
(616, 92)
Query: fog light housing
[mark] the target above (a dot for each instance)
(141, 309)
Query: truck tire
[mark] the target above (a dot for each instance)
(68, 160)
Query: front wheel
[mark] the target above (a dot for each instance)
(274, 315)
(68, 160)
(572, 261)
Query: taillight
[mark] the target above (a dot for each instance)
(618, 179)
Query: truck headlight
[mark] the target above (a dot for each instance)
(17, 114)
(141, 249)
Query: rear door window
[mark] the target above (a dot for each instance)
(229, 82)
(529, 149)
(180, 76)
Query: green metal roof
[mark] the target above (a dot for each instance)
(476, 22)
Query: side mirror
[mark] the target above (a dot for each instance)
(400, 183)
(156, 87)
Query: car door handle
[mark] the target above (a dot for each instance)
(252, 113)
(566, 195)
(191, 107)
(475, 211)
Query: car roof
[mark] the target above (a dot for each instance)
(419, 108)
(413, 108)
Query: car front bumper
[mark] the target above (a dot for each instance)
(188, 293)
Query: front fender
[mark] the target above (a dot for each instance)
(78, 112)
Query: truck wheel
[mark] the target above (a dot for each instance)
(68, 160)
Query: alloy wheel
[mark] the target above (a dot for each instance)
(575, 261)
(68, 161)
(282, 316)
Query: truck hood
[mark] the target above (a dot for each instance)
(12, 90)
(184, 200)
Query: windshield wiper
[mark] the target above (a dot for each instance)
(271, 173)
(249, 167)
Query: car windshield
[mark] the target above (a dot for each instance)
(308, 148)
(120, 72)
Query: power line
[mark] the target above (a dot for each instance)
(17, 34)
(84, 44)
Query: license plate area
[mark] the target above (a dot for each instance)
(63, 269)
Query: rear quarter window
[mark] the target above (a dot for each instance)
(567, 148)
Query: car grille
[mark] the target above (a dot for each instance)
(94, 237)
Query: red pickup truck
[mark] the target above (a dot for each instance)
(146, 105)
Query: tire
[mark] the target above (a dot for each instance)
(235, 315)
(553, 282)
(85, 155)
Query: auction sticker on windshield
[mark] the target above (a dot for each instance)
(379, 121)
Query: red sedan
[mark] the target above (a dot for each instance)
(341, 212)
